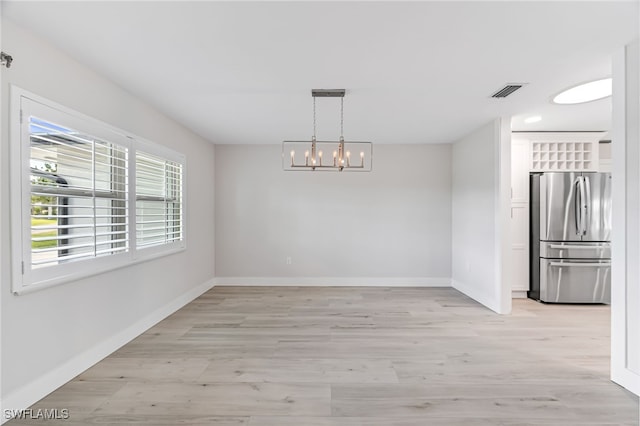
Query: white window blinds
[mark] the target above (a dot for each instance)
(158, 200)
(78, 195)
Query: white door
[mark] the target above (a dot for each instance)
(519, 216)
(519, 250)
(519, 170)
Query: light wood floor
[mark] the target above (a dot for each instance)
(284, 356)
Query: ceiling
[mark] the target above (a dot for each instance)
(415, 72)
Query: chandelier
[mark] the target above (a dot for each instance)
(310, 155)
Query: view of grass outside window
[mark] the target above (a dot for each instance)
(43, 208)
(43, 236)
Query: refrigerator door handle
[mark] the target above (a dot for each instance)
(578, 204)
(586, 213)
(600, 264)
(576, 247)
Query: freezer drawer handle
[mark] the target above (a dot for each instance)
(596, 264)
(569, 247)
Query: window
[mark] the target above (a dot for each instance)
(158, 200)
(78, 195)
(72, 211)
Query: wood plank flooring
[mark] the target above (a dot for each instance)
(285, 356)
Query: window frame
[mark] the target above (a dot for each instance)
(25, 279)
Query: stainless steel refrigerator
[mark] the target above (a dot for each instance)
(570, 238)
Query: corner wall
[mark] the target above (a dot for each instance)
(625, 241)
(480, 206)
(391, 226)
(51, 335)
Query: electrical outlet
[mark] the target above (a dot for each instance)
(289, 261)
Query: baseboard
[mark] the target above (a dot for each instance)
(336, 281)
(519, 294)
(478, 296)
(36, 390)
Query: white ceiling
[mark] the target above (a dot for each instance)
(415, 72)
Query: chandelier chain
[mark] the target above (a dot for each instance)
(341, 118)
(314, 118)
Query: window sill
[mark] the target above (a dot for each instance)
(99, 270)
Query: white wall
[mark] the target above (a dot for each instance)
(3, 215)
(480, 205)
(53, 334)
(625, 240)
(390, 226)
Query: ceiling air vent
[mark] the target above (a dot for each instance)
(507, 90)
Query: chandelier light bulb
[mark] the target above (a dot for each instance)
(361, 154)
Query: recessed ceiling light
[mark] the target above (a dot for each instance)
(586, 92)
(532, 119)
